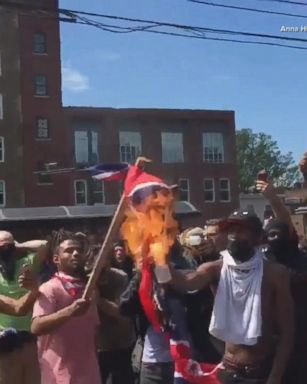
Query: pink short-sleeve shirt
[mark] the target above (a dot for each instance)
(67, 355)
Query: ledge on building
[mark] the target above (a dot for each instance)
(76, 212)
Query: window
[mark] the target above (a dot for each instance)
(172, 147)
(209, 192)
(98, 192)
(1, 149)
(1, 106)
(224, 190)
(41, 85)
(213, 147)
(184, 189)
(44, 178)
(42, 128)
(80, 192)
(86, 147)
(39, 43)
(130, 146)
(2, 193)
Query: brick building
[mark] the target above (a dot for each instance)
(194, 148)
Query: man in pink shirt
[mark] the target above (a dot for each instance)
(66, 323)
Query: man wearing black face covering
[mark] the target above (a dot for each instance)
(253, 308)
(283, 245)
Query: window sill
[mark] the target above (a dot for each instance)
(215, 163)
(225, 201)
(172, 162)
(42, 139)
(210, 202)
(41, 96)
(40, 54)
(45, 184)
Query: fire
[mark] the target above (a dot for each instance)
(149, 227)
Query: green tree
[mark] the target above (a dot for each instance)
(257, 151)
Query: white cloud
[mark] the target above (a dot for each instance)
(106, 56)
(110, 56)
(73, 80)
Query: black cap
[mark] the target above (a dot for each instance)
(245, 218)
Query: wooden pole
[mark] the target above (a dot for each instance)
(106, 247)
(111, 235)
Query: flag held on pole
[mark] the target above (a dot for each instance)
(109, 172)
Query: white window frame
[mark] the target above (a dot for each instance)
(2, 144)
(102, 192)
(36, 86)
(212, 139)
(86, 151)
(38, 119)
(167, 156)
(1, 107)
(209, 190)
(4, 193)
(225, 190)
(75, 191)
(45, 43)
(90, 149)
(185, 190)
(125, 157)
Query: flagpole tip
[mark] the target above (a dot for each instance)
(141, 160)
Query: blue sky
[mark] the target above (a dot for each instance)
(265, 86)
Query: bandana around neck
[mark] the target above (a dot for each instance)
(73, 286)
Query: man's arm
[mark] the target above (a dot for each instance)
(37, 246)
(108, 307)
(195, 281)
(277, 205)
(47, 323)
(21, 306)
(18, 307)
(285, 321)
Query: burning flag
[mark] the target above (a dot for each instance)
(149, 228)
(150, 231)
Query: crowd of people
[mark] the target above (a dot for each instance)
(242, 286)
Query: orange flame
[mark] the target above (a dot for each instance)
(149, 228)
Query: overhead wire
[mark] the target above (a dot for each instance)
(248, 9)
(231, 40)
(285, 2)
(151, 26)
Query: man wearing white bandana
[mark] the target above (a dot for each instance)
(253, 309)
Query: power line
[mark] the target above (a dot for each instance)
(195, 28)
(151, 26)
(202, 37)
(239, 8)
(286, 2)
